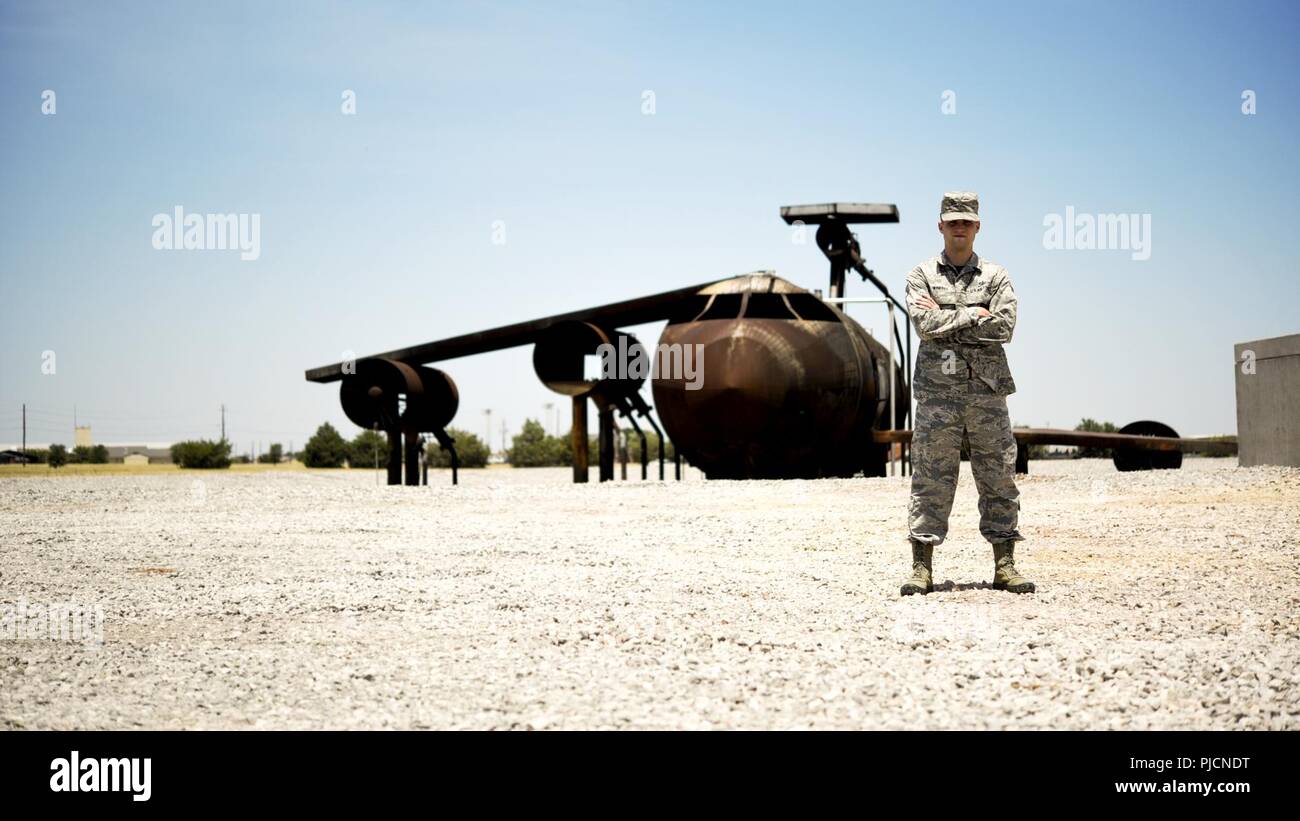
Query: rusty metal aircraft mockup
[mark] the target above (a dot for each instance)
(788, 385)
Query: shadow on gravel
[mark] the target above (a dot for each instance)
(952, 587)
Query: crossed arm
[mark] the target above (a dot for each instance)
(972, 325)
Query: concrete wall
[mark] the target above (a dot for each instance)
(1268, 401)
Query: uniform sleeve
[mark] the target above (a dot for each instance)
(935, 323)
(999, 325)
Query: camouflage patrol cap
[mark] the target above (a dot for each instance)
(960, 205)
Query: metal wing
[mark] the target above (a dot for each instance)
(629, 312)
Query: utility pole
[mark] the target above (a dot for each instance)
(487, 437)
(223, 423)
(549, 407)
(503, 436)
(24, 433)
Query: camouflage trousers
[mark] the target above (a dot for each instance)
(936, 462)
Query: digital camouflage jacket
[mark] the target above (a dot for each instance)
(957, 346)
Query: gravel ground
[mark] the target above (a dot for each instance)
(517, 600)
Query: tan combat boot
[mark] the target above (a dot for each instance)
(922, 572)
(1005, 575)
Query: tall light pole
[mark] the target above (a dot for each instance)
(487, 439)
(554, 428)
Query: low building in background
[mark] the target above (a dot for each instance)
(157, 453)
(1268, 395)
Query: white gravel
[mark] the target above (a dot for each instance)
(518, 600)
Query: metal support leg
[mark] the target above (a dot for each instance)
(413, 459)
(394, 457)
(579, 439)
(622, 454)
(644, 408)
(606, 435)
(448, 444)
(645, 455)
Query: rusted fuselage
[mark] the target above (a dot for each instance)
(787, 386)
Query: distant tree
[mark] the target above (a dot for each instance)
(242, 459)
(38, 455)
(58, 456)
(98, 455)
(528, 447)
(272, 457)
(325, 449)
(1093, 426)
(362, 449)
(471, 451)
(80, 455)
(202, 454)
(531, 447)
(562, 447)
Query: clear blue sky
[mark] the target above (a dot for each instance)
(376, 228)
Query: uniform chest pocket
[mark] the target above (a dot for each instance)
(977, 294)
(946, 294)
(961, 293)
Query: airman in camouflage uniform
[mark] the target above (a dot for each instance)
(964, 310)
